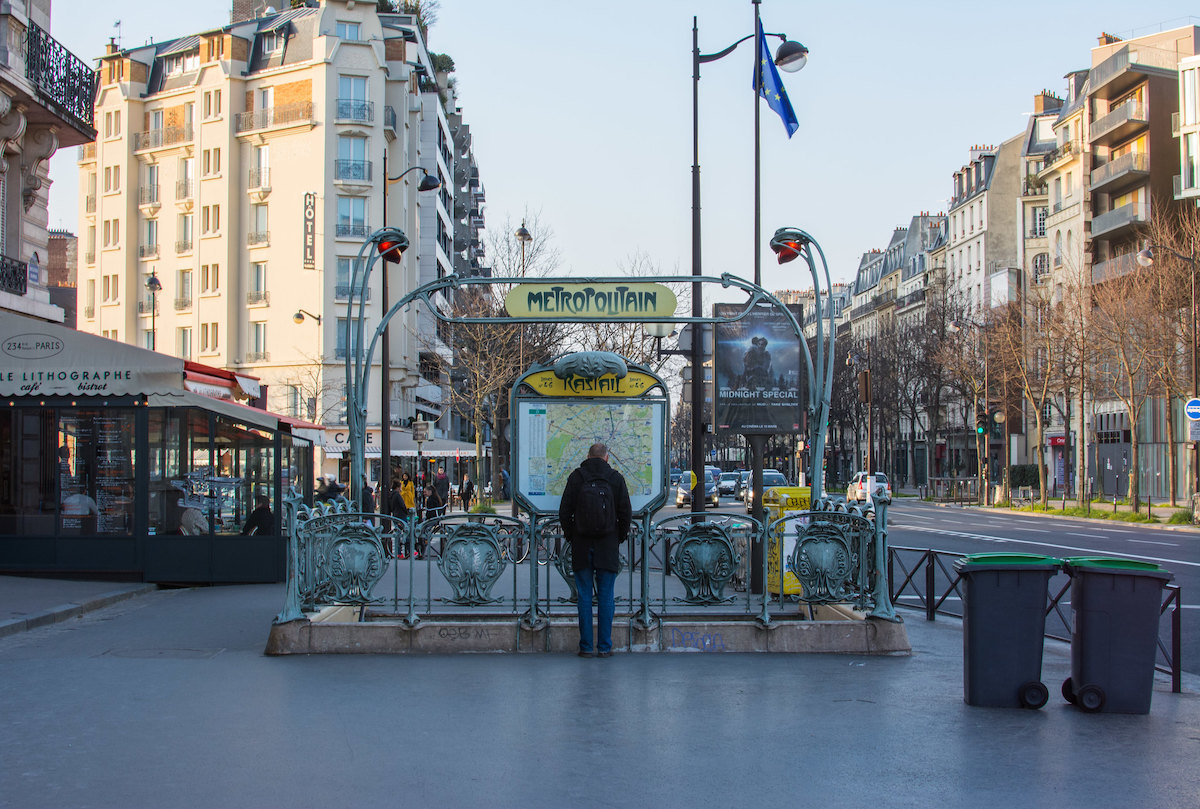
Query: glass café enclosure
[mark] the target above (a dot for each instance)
(117, 488)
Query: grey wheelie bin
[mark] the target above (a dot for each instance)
(1004, 619)
(1115, 606)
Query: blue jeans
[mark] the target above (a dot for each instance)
(606, 582)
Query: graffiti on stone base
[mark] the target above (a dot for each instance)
(701, 641)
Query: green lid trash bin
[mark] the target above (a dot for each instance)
(1004, 620)
(1115, 605)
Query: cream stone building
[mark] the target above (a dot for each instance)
(234, 178)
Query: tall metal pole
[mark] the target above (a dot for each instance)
(758, 77)
(1195, 386)
(385, 380)
(697, 499)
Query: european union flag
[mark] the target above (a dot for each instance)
(771, 88)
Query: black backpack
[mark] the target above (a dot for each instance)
(596, 508)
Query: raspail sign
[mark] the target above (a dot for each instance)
(634, 383)
(586, 300)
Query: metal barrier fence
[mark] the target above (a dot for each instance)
(925, 579)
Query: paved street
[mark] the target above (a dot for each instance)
(166, 700)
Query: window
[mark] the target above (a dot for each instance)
(260, 167)
(208, 337)
(258, 337)
(352, 88)
(112, 124)
(112, 179)
(112, 232)
(266, 98)
(344, 275)
(111, 334)
(345, 337)
(293, 401)
(183, 238)
(148, 339)
(210, 219)
(210, 162)
(1070, 185)
(216, 49)
(184, 282)
(352, 216)
(258, 277)
(151, 234)
(210, 278)
(270, 42)
(183, 342)
(259, 230)
(212, 103)
(1039, 219)
(348, 30)
(91, 293)
(106, 286)
(1189, 97)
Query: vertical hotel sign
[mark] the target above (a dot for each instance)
(310, 231)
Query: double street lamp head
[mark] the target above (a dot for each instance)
(153, 284)
(523, 234)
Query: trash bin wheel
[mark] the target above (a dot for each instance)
(1068, 690)
(1091, 698)
(1034, 694)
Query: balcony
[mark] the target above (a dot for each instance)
(89, 312)
(1031, 188)
(14, 275)
(1113, 268)
(147, 251)
(1185, 184)
(355, 170)
(260, 296)
(1066, 151)
(345, 231)
(255, 237)
(1110, 224)
(61, 78)
(148, 195)
(260, 178)
(1067, 209)
(159, 138)
(884, 299)
(358, 111)
(183, 245)
(914, 297)
(1121, 173)
(1120, 124)
(185, 189)
(294, 114)
(89, 257)
(149, 307)
(89, 203)
(87, 153)
(258, 356)
(341, 292)
(1127, 68)
(1174, 124)
(183, 303)
(389, 122)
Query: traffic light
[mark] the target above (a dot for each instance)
(981, 422)
(864, 386)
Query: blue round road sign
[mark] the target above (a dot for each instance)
(1192, 408)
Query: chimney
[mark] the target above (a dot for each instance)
(247, 10)
(111, 47)
(1046, 101)
(1108, 39)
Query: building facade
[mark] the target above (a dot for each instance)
(234, 179)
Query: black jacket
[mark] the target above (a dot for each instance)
(606, 548)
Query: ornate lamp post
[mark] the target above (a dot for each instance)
(524, 237)
(982, 421)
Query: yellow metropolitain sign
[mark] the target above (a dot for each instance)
(634, 383)
(584, 300)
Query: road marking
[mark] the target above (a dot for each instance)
(1152, 542)
(1037, 530)
(1089, 536)
(1001, 540)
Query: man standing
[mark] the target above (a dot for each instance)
(596, 514)
(441, 485)
(466, 492)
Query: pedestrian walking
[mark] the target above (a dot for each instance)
(595, 514)
(408, 491)
(441, 484)
(466, 492)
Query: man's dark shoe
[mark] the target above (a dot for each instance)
(604, 654)
(586, 654)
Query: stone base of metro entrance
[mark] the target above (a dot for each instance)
(337, 630)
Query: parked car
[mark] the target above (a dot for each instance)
(743, 483)
(771, 479)
(728, 482)
(683, 495)
(857, 491)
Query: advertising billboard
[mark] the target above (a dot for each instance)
(758, 371)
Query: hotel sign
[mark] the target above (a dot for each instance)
(310, 231)
(586, 300)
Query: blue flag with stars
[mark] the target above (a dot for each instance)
(771, 88)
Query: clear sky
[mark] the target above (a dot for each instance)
(581, 112)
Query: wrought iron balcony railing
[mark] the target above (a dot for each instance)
(341, 292)
(258, 296)
(258, 356)
(61, 78)
(389, 118)
(166, 136)
(184, 189)
(352, 170)
(260, 178)
(90, 203)
(183, 245)
(148, 195)
(183, 303)
(148, 307)
(283, 115)
(258, 237)
(350, 110)
(147, 251)
(89, 312)
(14, 275)
(89, 257)
(359, 231)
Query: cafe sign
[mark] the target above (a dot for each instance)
(586, 300)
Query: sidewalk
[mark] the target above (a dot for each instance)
(29, 603)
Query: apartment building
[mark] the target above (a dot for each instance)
(235, 177)
(1132, 96)
(1185, 124)
(45, 104)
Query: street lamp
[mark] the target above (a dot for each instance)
(154, 286)
(1145, 258)
(391, 252)
(791, 56)
(983, 431)
(524, 237)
